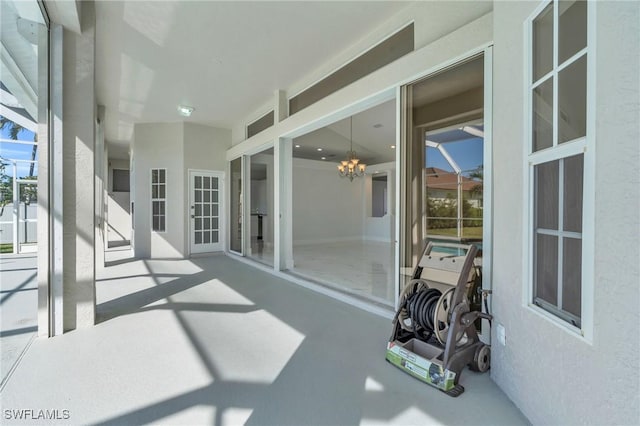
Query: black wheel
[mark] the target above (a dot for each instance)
(482, 359)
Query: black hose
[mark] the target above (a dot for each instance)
(420, 307)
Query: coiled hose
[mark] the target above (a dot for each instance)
(417, 308)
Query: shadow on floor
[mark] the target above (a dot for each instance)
(335, 374)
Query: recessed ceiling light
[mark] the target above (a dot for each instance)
(185, 110)
(297, 146)
(377, 126)
(319, 149)
(393, 147)
(324, 158)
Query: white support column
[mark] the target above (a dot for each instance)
(44, 210)
(281, 106)
(246, 205)
(78, 174)
(282, 198)
(57, 185)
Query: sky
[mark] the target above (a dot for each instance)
(467, 153)
(18, 152)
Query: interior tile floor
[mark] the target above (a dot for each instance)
(363, 268)
(216, 341)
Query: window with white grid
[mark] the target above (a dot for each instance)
(557, 90)
(158, 199)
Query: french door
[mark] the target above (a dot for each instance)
(206, 211)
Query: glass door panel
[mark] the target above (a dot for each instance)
(235, 207)
(261, 207)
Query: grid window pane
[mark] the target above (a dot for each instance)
(572, 101)
(206, 195)
(214, 237)
(198, 239)
(543, 116)
(198, 195)
(572, 190)
(206, 237)
(162, 228)
(161, 192)
(162, 176)
(154, 176)
(214, 223)
(155, 208)
(207, 210)
(154, 191)
(572, 31)
(198, 183)
(572, 275)
(543, 43)
(207, 224)
(162, 205)
(206, 182)
(198, 224)
(156, 223)
(546, 191)
(546, 268)
(214, 196)
(214, 183)
(214, 210)
(198, 210)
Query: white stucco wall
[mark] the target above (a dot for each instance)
(159, 146)
(176, 147)
(554, 376)
(118, 207)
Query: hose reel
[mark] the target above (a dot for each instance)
(426, 311)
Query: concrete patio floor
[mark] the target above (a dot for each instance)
(18, 309)
(215, 341)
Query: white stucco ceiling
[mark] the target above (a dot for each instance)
(223, 58)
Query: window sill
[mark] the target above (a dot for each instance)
(580, 334)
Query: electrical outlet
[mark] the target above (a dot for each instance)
(502, 335)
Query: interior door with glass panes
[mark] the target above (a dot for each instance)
(205, 211)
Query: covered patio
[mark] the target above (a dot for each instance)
(215, 341)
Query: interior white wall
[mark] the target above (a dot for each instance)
(159, 146)
(553, 376)
(118, 207)
(326, 207)
(380, 228)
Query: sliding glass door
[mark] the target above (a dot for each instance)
(235, 207)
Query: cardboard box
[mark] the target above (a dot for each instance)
(419, 359)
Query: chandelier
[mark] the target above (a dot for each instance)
(351, 167)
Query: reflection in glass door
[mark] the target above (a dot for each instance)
(444, 161)
(235, 206)
(261, 207)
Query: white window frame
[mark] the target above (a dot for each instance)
(165, 230)
(584, 145)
